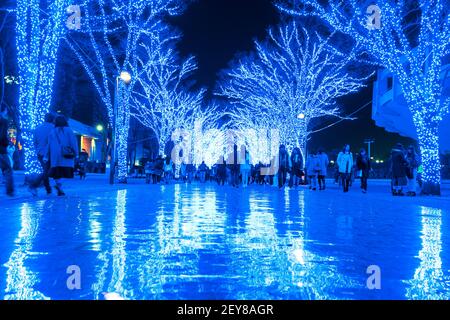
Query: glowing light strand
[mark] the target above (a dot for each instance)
(291, 74)
(37, 42)
(99, 50)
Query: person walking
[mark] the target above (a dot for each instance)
(245, 169)
(202, 169)
(345, 164)
(149, 165)
(312, 170)
(398, 169)
(82, 163)
(40, 140)
(235, 168)
(283, 166)
(296, 168)
(61, 151)
(323, 161)
(221, 172)
(363, 167)
(190, 172)
(413, 164)
(168, 170)
(5, 164)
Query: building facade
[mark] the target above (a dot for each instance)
(390, 111)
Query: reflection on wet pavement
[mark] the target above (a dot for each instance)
(205, 242)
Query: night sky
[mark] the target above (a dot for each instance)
(215, 31)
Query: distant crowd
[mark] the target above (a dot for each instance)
(58, 155)
(292, 171)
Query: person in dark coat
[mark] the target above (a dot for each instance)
(398, 168)
(190, 171)
(413, 165)
(324, 161)
(363, 167)
(221, 172)
(203, 168)
(297, 168)
(61, 151)
(41, 134)
(5, 164)
(82, 163)
(283, 166)
(158, 170)
(235, 168)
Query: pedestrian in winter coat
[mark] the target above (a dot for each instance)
(41, 134)
(82, 163)
(10, 152)
(363, 167)
(313, 169)
(168, 170)
(245, 170)
(61, 151)
(158, 170)
(283, 166)
(222, 172)
(413, 164)
(235, 167)
(323, 160)
(398, 168)
(345, 165)
(5, 164)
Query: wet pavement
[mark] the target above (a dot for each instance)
(202, 241)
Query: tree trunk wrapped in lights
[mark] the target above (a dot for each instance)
(411, 40)
(37, 41)
(290, 80)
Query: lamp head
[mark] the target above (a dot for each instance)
(125, 76)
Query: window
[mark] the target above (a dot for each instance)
(390, 82)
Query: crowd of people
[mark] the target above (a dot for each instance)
(57, 152)
(56, 149)
(291, 171)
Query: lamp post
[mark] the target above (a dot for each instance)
(302, 116)
(125, 77)
(369, 144)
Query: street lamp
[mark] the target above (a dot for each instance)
(301, 116)
(99, 128)
(369, 142)
(125, 77)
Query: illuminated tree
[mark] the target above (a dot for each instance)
(162, 101)
(208, 139)
(292, 79)
(108, 43)
(412, 41)
(39, 29)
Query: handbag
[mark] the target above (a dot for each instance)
(66, 151)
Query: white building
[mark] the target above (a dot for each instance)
(389, 109)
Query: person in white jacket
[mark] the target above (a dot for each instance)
(345, 165)
(323, 159)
